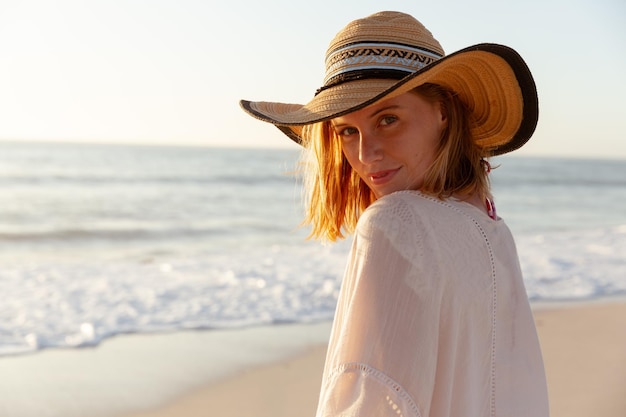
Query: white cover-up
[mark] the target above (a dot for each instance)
(433, 319)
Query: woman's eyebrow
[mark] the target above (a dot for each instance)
(382, 109)
(372, 115)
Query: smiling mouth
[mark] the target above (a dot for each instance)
(382, 176)
(379, 175)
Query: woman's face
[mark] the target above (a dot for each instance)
(391, 144)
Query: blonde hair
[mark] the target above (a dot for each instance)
(335, 196)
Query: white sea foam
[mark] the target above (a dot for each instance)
(575, 265)
(79, 303)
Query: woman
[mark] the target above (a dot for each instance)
(432, 318)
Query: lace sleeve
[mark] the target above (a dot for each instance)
(380, 360)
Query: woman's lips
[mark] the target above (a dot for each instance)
(382, 177)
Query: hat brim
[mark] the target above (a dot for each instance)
(492, 80)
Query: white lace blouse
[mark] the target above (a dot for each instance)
(433, 318)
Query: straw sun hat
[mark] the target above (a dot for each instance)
(389, 53)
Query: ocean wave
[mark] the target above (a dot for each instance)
(574, 265)
(42, 180)
(80, 301)
(71, 236)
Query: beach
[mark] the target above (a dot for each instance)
(142, 281)
(584, 349)
(276, 370)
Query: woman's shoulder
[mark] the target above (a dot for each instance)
(402, 204)
(414, 203)
(415, 212)
(397, 214)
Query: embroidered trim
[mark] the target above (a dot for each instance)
(383, 378)
(380, 56)
(494, 283)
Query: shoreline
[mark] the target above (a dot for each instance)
(276, 370)
(134, 372)
(583, 345)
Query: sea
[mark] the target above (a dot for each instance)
(102, 240)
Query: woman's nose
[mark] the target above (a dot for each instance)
(370, 149)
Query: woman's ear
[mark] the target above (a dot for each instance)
(444, 112)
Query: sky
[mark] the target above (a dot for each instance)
(173, 71)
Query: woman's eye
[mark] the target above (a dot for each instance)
(387, 120)
(348, 131)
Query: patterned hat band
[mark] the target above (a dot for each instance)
(374, 60)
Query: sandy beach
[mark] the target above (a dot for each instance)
(276, 371)
(584, 348)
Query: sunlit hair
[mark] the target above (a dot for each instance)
(335, 196)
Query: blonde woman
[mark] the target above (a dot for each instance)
(432, 319)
